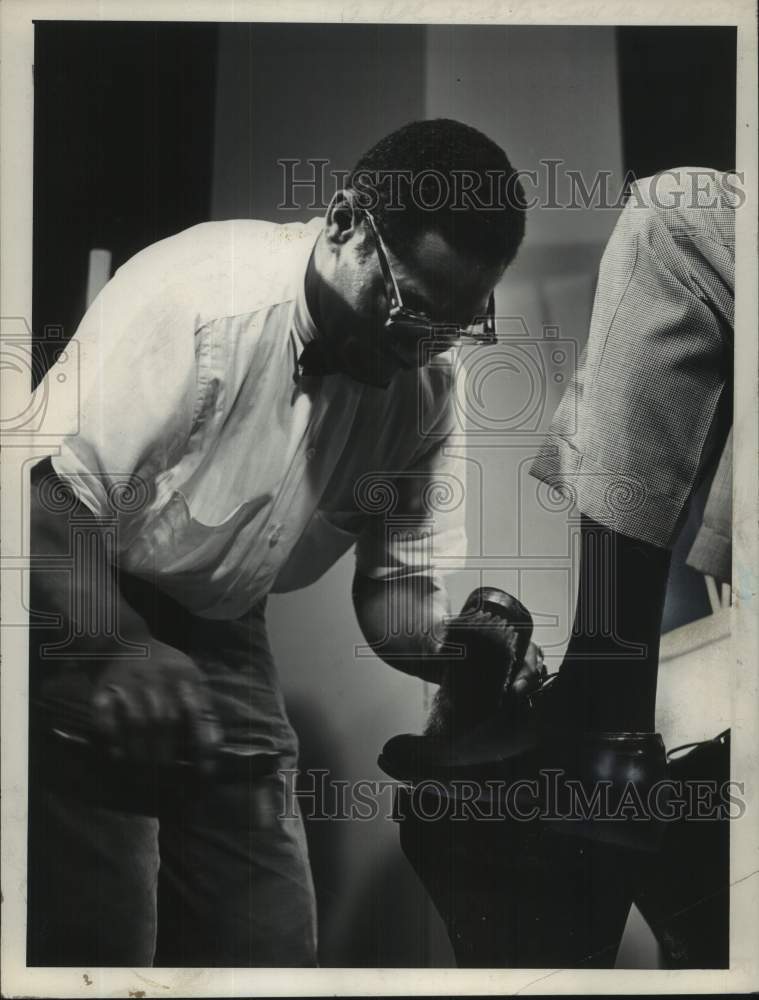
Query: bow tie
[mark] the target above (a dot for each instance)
(314, 360)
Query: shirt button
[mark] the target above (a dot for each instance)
(310, 453)
(274, 534)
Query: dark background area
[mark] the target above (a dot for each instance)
(124, 119)
(124, 131)
(677, 97)
(123, 147)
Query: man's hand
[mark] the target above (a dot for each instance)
(491, 654)
(530, 674)
(156, 711)
(490, 674)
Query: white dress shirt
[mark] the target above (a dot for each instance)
(231, 477)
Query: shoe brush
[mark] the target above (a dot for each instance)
(492, 633)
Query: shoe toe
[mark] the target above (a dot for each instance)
(404, 757)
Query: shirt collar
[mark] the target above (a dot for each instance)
(303, 325)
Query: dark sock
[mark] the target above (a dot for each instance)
(607, 681)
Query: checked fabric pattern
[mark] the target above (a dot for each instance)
(649, 408)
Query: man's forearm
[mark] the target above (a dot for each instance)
(404, 622)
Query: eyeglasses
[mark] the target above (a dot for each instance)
(400, 317)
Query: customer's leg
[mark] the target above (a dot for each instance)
(641, 424)
(608, 677)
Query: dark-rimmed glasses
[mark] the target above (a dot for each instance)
(403, 319)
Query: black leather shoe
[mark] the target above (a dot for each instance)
(528, 754)
(500, 745)
(534, 764)
(603, 787)
(606, 787)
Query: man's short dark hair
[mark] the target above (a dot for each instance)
(441, 175)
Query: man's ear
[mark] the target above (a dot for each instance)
(342, 219)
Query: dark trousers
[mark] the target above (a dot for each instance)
(196, 874)
(140, 866)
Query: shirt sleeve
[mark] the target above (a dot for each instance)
(137, 381)
(416, 517)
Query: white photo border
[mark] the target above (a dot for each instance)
(16, 146)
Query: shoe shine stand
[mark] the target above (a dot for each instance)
(512, 891)
(517, 894)
(530, 893)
